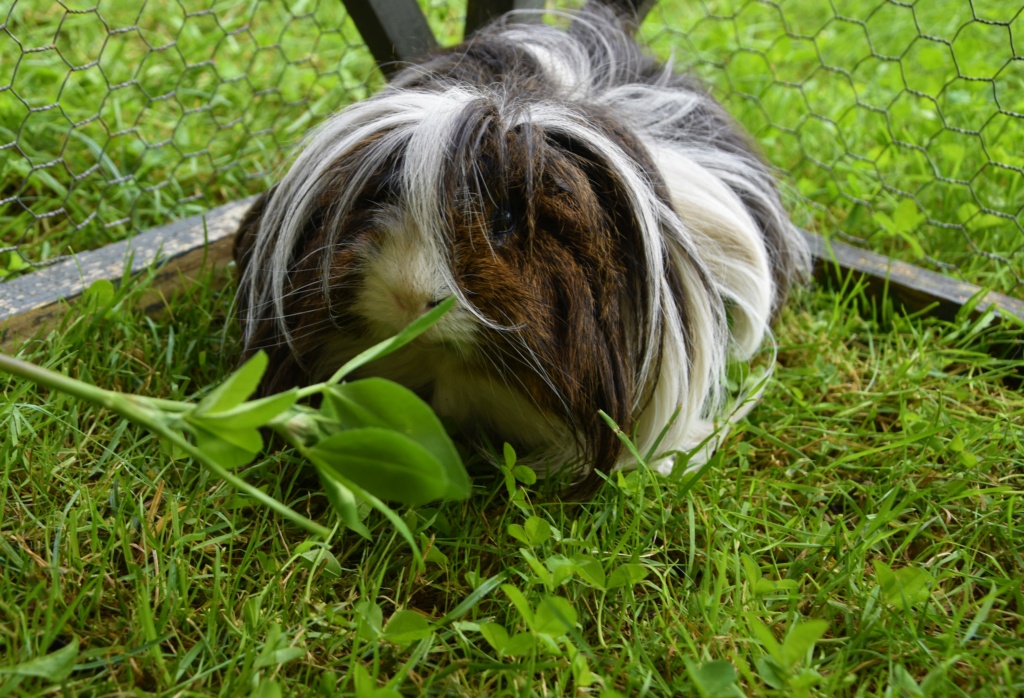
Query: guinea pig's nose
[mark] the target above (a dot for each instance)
(414, 303)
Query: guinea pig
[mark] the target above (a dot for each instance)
(612, 238)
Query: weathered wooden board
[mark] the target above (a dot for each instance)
(181, 250)
(912, 287)
(396, 30)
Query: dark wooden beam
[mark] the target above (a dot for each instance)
(632, 11)
(910, 286)
(480, 13)
(180, 250)
(395, 31)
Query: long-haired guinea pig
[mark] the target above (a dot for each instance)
(612, 237)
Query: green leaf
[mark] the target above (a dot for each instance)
(252, 611)
(581, 673)
(884, 221)
(510, 455)
(406, 627)
(519, 601)
(266, 689)
(521, 645)
(375, 402)
(323, 558)
(433, 553)
(100, 293)
(385, 463)
(540, 572)
(343, 501)
(537, 530)
(519, 533)
(561, 567)
(904, 587)
(364, 683)
(804, 679)
(251, 414)
(632, 482)
(800, 640)
(369, 621)
(628, 574)
(496, 636)
(770, 673)
(15, 263)
(524, 475)
(973, 217)
(907, 216)
(54, 667)
(237, 388)
(228, 448)
(715, 679)
(765, 637)
(750, 569)
(986, 220)
(276, 650)
(554, 616)
(278, 656)
(366, 686)
(414, 330)
(590, 571)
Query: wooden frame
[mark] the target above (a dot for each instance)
(396, 31)
(181, 250)
(480, 13)
(911, 287)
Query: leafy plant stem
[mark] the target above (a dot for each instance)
(151, 414)
(235, 481)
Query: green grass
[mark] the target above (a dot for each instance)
(873, 499)
(897, 126)
(859, 534)
(136, 112)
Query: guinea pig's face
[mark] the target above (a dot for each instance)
(534, 245)
(536, 344)
(611, 236)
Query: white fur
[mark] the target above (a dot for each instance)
(707, 222)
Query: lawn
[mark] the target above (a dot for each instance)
(858, 534)
(898, 124)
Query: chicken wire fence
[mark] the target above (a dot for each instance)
(899, 126)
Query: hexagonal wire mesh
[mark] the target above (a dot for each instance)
(118, 115)
(898, 124)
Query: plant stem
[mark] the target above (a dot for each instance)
(57, 381)
(238, 483)
(150, 413)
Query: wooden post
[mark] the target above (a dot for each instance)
(395, 31)
(632, 12)
(480, 13)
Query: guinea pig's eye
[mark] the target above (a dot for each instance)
(560, 186)
(503, 224)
